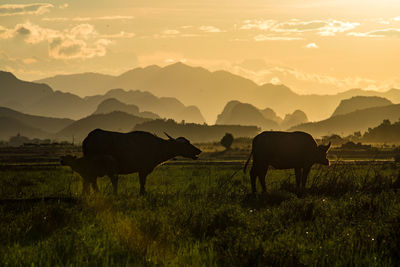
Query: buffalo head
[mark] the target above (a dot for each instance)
(321, 154)
(67, 160)
(184, 148)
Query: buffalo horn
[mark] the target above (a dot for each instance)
(170, 138)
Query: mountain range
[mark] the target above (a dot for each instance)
(211, 90)
(359, 103)
(238, 113)
(114, 121)
(111, 104)
(40, 99)
(346, 124)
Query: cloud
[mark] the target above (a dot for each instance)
(322, 27)
(388, 21)
(121, 34)
(79, 42)
(29, 60)
(275, 80)
(69, 48)
(391, 32)
(258, 24)
(311, 46)
(306, 82)
(264, 37)
(209, 29)
(5, 33)
(83, 19)
(171, 32)
(25, 9)
(63, 6)
(115, 18)
(56, 19)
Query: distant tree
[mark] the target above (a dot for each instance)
(397, 158)
(227, 141)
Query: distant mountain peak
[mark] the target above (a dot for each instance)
(359, 102)
(7, 75)
(152, 67)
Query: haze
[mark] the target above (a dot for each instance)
(321, 47)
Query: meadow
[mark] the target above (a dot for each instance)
(197, 214)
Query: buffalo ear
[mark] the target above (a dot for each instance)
(169, 137)
(325, 148)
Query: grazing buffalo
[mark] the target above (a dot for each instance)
(91, 167)
(285, 150)
(137, 151)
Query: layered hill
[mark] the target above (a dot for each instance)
(166, 107)
(11, 126)
(296, 118)
(360, 102)
(196, 132)
(45, 124)
(111, 104)
(114, 121)
(210, 90)
(40, 99)
(349, 123)
(81, 84)
(238, 113)
(386, 132)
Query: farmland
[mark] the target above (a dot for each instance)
(199, 213)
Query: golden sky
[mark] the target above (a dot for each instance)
(311, 46)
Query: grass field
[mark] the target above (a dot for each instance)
(201, 216)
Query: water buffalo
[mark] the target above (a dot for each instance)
(137, 151)
(91, 167)
(285, 150)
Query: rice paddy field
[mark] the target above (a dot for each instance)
(201, 213)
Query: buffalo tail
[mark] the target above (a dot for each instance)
(247, 162)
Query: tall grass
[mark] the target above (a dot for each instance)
(201, 216)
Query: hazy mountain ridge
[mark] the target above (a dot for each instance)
(210, 90)
(114, 121)
(18, 94)
(111, 104)
(12, 126)
(358, 103)
(296, 118)
(89, 82)
(167, 107)
(46, 124)
(386, 132)
(238, 113)
(359, 120)
(196, 132)
(40, 99)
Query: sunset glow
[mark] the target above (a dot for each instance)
(311, 46)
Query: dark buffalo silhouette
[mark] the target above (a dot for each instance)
(90, 167)
(136, 151)
(285, 150)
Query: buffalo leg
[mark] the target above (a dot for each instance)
(94, 185)
(253, 178)
(114, 181)
(142, 180)
(261, 176)
(85, 186)
(304, 177)
(298, 173)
